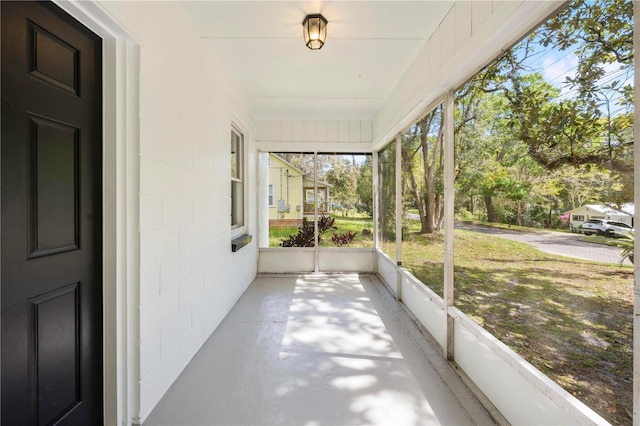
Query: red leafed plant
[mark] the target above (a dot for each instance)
(343, 239)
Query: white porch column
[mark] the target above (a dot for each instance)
(376, 204)
(398, 216)
(316, 263)
(449, 194)
(636, 199)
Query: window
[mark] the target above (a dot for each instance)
(270, 195)
(578, 218)
(336, 187)
(237, 183)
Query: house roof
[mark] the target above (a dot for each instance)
(320, 183)
(324, 184)
(625, 209)
(287, 163)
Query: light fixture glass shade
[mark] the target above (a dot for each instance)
(314, 28)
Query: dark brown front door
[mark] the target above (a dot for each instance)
(51, 218)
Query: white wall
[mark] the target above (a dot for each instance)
(189, 278)
(310, 135)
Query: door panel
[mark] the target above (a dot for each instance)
(54, 322)
(51, 218)
(53, 173)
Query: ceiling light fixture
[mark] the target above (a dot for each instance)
(314, 28)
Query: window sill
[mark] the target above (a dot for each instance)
(241, 241)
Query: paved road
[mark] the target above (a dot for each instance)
(559, 243)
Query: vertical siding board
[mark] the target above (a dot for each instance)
(366, 131)
(332, 130)
(287, 131)
(309, 131)
(321, 130)
(298, 131)
(275, 131)
(447, 37)
(354, 131)
(343, 131)
(480, 13)
(435, 45)
(462, 23)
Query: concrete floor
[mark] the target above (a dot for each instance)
(318, 350)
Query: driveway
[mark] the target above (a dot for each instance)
(558, 243)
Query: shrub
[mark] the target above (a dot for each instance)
(305, 237)
(343, 239)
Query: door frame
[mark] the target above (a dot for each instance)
(121, 241)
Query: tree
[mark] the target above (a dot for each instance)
(580, 129)
(423, 168)
(387, 197)
(342, 176)
(530, 148)
(364, 187)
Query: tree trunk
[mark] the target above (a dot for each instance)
(519, 214)
(413, 187)
(430, 207)
(491, 214)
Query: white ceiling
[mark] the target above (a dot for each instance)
(259, 49)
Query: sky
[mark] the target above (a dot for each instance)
(556, 66)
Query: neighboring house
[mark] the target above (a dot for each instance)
(581, 214)
(291, 194)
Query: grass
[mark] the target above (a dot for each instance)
(511, 227)
(570, 318)
(343, 225)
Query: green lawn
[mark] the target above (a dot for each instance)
(343, 225)
(570, 318)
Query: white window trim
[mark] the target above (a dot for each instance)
(237, 230)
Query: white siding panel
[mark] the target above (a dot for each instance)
(151, 141)
(427, 307)
(157, 177)
(176, 210)
(321, 130)
(149, 282)
(309, 131)
(150, 353)
(186, 112)
(336, 260)
(150, 211)
(435, 47)
(462, 28)
(271, 261)
(354, 131)
(332, 130)
(387, 271)
(275, 131)
(447, 35)
(262, 130)
(480, 13)
(150, 318)
(366, 131)
(287, 130)
(343, 131)
(298, 130)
